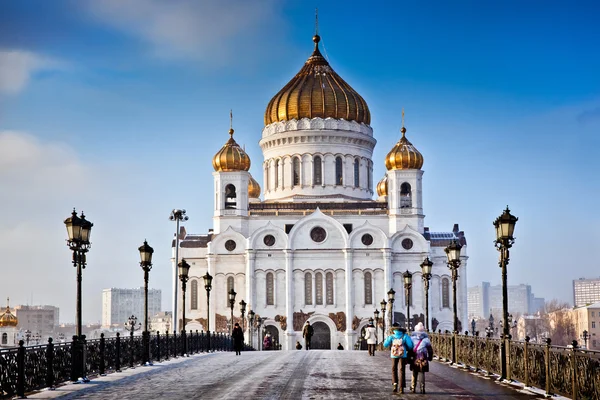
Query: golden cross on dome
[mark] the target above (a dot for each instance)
(231, 122)
(317, 21)
(403, 117)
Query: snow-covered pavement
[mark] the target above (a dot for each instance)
(315, 374)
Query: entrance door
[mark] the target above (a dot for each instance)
(274, 336)
(321, 336)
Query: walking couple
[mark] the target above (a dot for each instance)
(414, 350)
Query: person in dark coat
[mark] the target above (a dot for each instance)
(307, 333)
(423, 355)
(238, 339)
(298, 345)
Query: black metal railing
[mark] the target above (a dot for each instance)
(566, 371)
(27, 369)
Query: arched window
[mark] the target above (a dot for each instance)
(405, 196)
(445, 293)
(270, 289)
(296, 172)
(307, 288)
(356, 173)
(329, 288)
(319, 288)
(276, 174)
(368, 288)
(230, 286)
(339, 180)
(194, 295)
(317, 173)
(369, 175)
(5, 338)
(230, 197)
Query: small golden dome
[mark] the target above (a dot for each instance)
(404, 155)
(8, 319)
(317, 91)
(231, 157)
(253, 189)
(382, 187)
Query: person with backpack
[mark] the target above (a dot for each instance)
(371, 336)
(400, 344)
(423, 355)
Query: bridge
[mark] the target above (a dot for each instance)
(113, 367)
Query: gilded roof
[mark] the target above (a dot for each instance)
(317, 91)
(231, 157)
(404, 155)
(382, 187)
(253, 189)
(8, 319)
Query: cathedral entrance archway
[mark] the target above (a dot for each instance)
(274, 335)
(321, 338)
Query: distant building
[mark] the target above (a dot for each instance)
(41, 320)
(485, 299)
(162, 322)
(8, 328)
(119, 304)
(586, 291)
(587, 318)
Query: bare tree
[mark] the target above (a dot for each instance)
(559, 322)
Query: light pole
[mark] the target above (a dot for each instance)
(232, 294)
(78, 230)
(585, 338)
(177, 215)
(27, 337)
(390, 304)
(383, 305)
(132, 325)
(426, 266)
(505, 227)
(407, 287)
(473, 324)
(453, 253)
(376, 315)
(243, 311)
(208, 286)
(251, 326)
(146, 264)
(184, 269)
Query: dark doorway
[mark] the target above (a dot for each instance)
(362, 340)
(321, 336)
(274, 336)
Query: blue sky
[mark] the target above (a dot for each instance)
(118, 106)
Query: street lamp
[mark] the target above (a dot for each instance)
(132, 325)
(453, 254)
(27, 337)
(376, 315)
(251, 325)
(426, 266)
(184, 269)
(391, 296)
(505, 227)
(407, 286)
(243, 310)
(146, 264)
(232, 294)
(78, 230)
(208, 286)
(585, 338)
(177, 215)
(473, 325)
(383, 308)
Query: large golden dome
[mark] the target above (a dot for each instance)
(253, 189)
(231, 157)
(382, 187)
(404, 155)
(317, 91)
(8, 319)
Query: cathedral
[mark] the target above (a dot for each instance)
(324, 243)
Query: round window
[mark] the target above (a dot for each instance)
(318, 234)
(367, 239)
(269, 240)
(407, 244)
(230, 245)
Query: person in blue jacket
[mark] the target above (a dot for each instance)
(400, 345)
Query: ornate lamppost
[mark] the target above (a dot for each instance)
(251, 326)
(208, 286)
(132, 325)
(232, 294)
(505, 227)
(473, 325)
(243, 311)
(146, 264)
(407, 287)
(27, 337)
(390, 304)
(585, 338)
(177, 215)
(78, 230)
(453, 253)
(376, 315)
(383, 305)
(426, 266)
(184, 269)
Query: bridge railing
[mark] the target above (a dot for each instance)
(26, 369)
(567, 371)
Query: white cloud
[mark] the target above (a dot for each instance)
(186, 28)
(18, 66)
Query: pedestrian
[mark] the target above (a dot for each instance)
(340, 347)
(298, 345)
(371, 336)
(238, 339)
(267, 342)
(307, 333)
(423, 355)
(400, 344)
